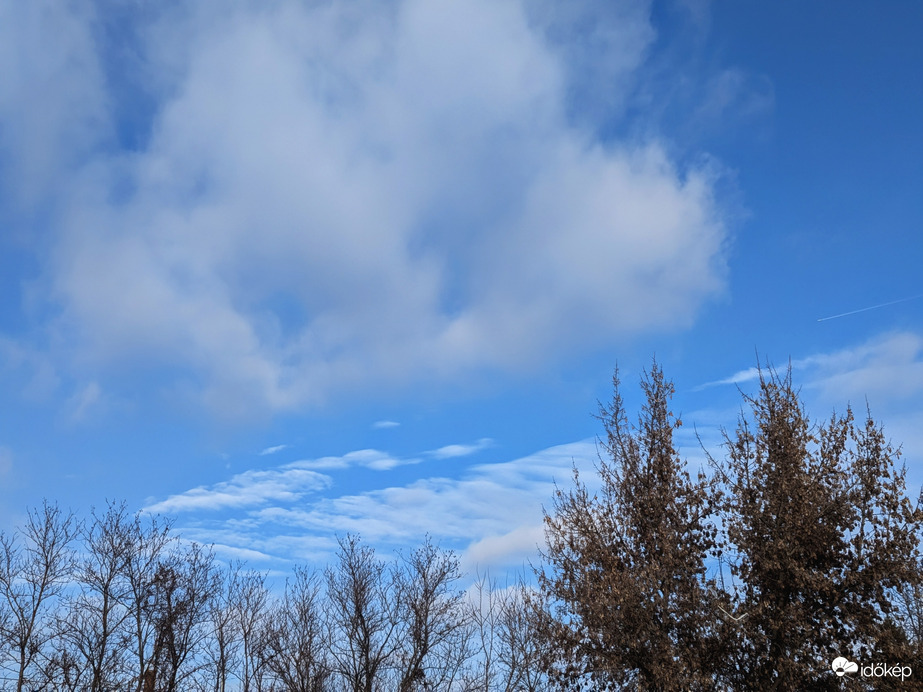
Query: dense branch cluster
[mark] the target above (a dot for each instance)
(119, 603)
(796, 546)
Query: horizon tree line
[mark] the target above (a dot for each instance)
(798, 544)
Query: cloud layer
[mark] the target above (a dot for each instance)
(313, 197)
(491, 513)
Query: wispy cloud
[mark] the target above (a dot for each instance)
(273, 450)
(384, 424)
(246, 489)
(453, 451)
(886, 370)
(491, 513)
(367, 458)
(890, 365)
(739, 377)
(515, 547)
(85, 401)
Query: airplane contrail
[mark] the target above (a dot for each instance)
(873, 307)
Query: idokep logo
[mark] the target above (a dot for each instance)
(841, 666)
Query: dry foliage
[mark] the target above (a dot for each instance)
(800, 545)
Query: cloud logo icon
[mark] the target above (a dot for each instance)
(841, 666)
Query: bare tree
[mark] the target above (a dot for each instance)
(64, 671)
(224, 643)
(362, 600)
(249, 604)
(184, 584)
(434, 642)
(150, 542)
(509, 638)
(93, 627)
(295, 639)
(31, 577)
(523, 625)
(485, 612)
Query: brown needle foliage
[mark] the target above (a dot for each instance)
(825, 539)
(626, 566)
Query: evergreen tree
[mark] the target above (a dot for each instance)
(824, 538)
(626, 567)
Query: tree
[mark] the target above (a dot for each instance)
(223, 644)
(295, 640)
(625, 567)
(184, 586)
(31, 578)
(883, 571)
(909, 607)
(249, 603)
(93, 627)
(825, 538)
(435, 639)
(509, 638)
(361, 594)
(522, 624)
(150, 542)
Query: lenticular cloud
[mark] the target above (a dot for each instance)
(315, 197)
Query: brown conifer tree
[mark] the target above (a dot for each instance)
(825, 540)
(626, 566)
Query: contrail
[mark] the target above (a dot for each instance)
(874, 307)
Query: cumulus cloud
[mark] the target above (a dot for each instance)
(53, 110)
(321, 196)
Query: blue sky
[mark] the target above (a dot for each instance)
(282, 270)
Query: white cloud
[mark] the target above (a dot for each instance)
(491, 513)
(82, 403)
(888, 367)
(248, 489)
(516, 547)
(368, 458)
(739, 377)
(52, 97)
(453, 451)
(332, 195)
(886, 371)
(384, 424)
(273, 450)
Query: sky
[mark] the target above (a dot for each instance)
(289, 269)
